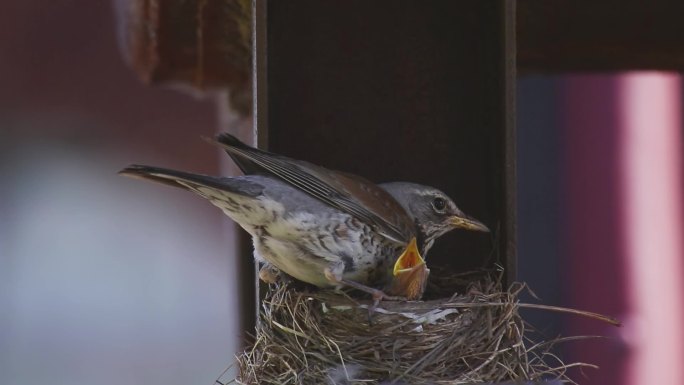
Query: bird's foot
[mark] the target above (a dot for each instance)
(380, 295)
(377, 294)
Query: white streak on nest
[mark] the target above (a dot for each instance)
(430, 317)
(342, 307)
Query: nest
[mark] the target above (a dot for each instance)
(327, 337)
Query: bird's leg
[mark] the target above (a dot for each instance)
(336, 278)
(377, 294)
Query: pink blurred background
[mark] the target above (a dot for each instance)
(99, 284)
(600, 217)
(103, 280)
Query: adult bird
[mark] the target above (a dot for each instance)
(325, 227)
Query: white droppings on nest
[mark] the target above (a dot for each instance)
(429, 317)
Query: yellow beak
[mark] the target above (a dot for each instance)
(410, 274)
(409, 259)
(468, 224)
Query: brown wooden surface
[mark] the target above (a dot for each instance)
(204, 44)
(397, 90)
(609, 35)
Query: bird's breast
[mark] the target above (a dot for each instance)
(303, 245)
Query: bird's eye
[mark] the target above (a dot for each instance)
(439, 204)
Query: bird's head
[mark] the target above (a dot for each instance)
(433, 212)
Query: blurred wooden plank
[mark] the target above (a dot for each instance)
(607, 35)
(197, 44)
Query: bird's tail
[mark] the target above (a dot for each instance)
(210, 187)
(171, 177)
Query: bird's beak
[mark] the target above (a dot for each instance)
(409, 259)
(463, 222)
(410, 274)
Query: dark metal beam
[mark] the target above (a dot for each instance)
(400, 90)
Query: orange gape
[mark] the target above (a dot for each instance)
(409, 259)
(410, 273)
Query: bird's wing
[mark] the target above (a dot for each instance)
(346, 192)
